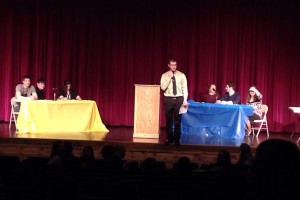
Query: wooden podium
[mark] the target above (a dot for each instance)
(146, 111)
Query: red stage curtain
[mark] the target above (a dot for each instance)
(107, 46)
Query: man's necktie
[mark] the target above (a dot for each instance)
(174, 85)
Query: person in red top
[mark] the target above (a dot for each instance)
(212, 95)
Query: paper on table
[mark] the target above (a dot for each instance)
(183, 109)
(295, 109)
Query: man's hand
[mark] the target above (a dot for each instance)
(32, 98)
(185, 103)
(170, 74)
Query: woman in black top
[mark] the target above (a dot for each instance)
(67, 92)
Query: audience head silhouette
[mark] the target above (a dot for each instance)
(245, 158)
(275, 171)
(108, 152)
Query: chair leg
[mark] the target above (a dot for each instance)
(267, 129)
(259, 129)
(263, 125)
(11, 115)
(253, 129)
(15, 120)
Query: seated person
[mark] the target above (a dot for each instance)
(231, 96)
(212, 95)
(67, 92)
(24, 91)
(39, 88)
(254, 98)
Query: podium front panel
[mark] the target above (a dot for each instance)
(146, 111)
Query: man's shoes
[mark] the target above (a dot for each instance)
(168, 142)
(177, 144)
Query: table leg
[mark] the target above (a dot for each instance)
(297, 124)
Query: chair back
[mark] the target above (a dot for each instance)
(264, 110)
(13, 103)
(13, 113)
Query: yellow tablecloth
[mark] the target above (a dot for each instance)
(46, 116)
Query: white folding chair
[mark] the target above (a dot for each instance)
(13, 114)
(261, 124)
(296, 110)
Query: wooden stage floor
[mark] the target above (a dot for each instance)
(200, 150)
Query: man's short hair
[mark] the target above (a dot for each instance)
(172, 60)
(41, 80)
(26, 77)
(230, 84)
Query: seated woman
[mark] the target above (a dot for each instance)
(254, 98)
(212, 95)
(67, 92)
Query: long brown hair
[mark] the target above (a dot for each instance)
(249, 96)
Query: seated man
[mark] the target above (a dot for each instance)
(231, 96)
(24, 91)
(39, 88)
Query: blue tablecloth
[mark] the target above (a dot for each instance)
(225, 121)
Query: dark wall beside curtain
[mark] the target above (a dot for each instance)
(107, 46)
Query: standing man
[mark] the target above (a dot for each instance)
(230, 96)
(174, 85)
(39, 88)
(24, 91)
